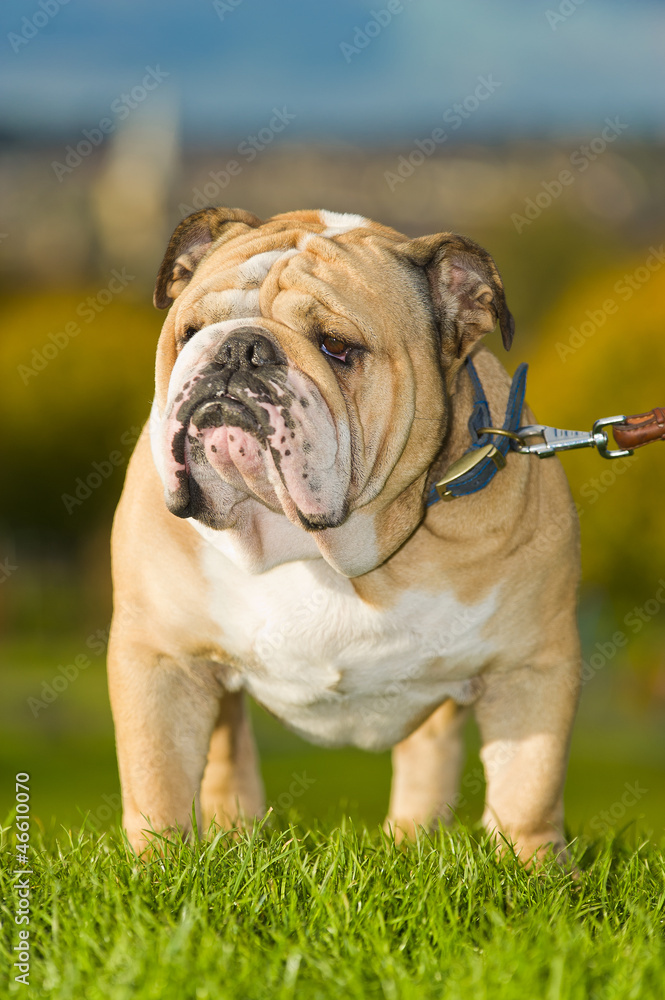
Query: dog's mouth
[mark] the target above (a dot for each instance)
(236, 434)
(227, 411)
(221, 395)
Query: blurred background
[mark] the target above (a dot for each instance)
(538, 131)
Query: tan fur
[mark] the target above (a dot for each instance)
(408, 413)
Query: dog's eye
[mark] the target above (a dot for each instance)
(334, 348)
(188, 334)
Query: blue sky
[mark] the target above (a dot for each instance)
(226, 73)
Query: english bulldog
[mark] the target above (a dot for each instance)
(273, 535)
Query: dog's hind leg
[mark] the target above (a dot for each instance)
(426, 771)
(232, 791)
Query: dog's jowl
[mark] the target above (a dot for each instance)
(274, 535)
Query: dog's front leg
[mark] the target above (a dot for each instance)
(426, 770)
(164, 715)
(525, 719)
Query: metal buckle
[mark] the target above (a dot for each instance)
(465, 464)
(599, 434)
(556, 439)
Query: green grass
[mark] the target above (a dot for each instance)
(322, 910)
(332, 912)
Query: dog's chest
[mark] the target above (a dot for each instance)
(332, 667)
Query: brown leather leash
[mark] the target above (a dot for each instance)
(641, 429)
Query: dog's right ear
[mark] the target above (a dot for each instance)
(189, 244)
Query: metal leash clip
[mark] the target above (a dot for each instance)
(555, 439)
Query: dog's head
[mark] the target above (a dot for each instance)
(306, 364)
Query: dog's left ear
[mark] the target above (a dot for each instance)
(466, 290)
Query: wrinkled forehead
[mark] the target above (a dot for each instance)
(241, 277)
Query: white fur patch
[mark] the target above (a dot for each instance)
(340, 222)
(243, 302)
(234, 303)
(260, 539)
(335, 669)
(254, 270)
(306, 238)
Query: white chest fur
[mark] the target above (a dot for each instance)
(335, 669)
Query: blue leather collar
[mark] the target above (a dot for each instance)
(487, 454)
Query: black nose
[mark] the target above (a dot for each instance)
(248, 348)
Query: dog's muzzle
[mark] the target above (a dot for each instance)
(246, 421)
(244, 373)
